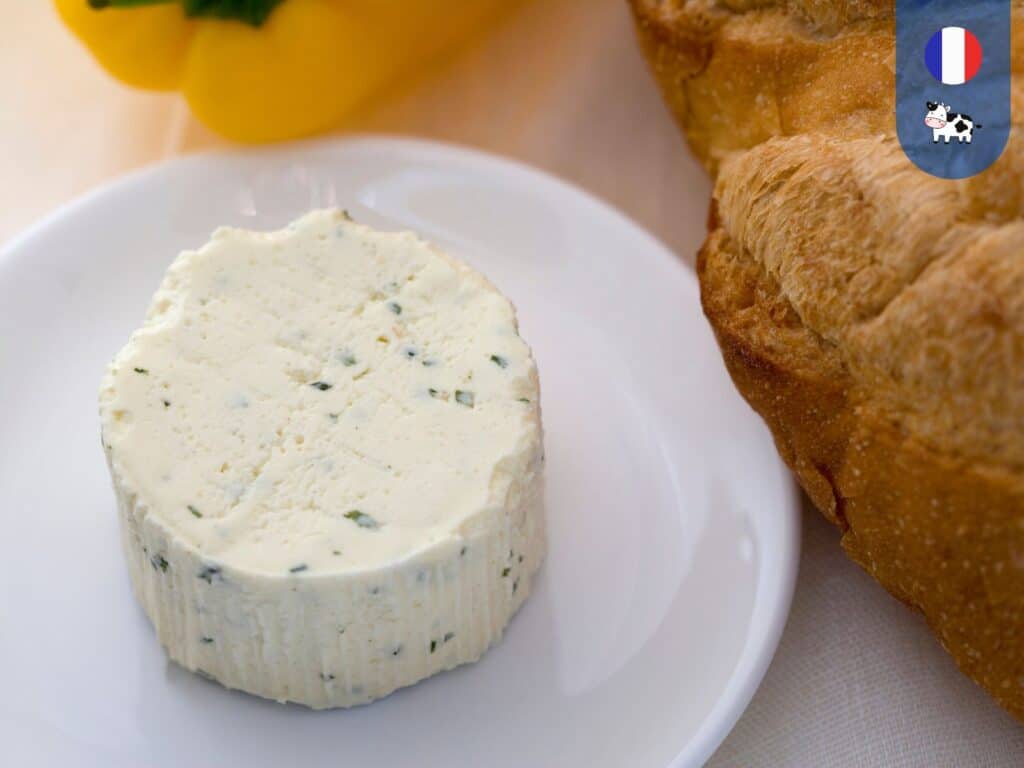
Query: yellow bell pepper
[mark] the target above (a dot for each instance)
(263, 70)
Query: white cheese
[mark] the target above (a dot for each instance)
(325, 444)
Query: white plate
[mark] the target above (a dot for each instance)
(673, 524)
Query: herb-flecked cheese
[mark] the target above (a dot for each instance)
(326, 448)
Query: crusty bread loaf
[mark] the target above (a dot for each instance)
(873, 315)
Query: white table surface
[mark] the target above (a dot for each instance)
(858, 680)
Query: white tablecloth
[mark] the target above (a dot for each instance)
(858, 679)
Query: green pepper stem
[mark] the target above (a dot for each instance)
(253, 12)
(125, 3)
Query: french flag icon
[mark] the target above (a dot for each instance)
(953, 55)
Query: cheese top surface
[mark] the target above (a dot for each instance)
(322, 399)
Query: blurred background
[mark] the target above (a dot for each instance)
(559, 84)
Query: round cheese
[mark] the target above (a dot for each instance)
(325, 444)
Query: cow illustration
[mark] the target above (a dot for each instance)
(947, 124)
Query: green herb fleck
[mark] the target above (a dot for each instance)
(348, 359)
(462, 552)
(143, 371)
(464, 398)
(433, 645)
(515, 586)
(326, 677)
(395, 307)
(397, 651)
(520, 558)
(433, 392)
(333, 417)
(298, 568)
(195, 512)
(429, 363)
(335, 551)
(208, 573)
(505, 572)
(167, 403)
(323, 386)
(410, 353)
(362, 519)
(345, 215)
(524, 400)
(159, 561)
(207, 640)
(448, 636)
(499, 361)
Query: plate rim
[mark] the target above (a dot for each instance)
(777, 578)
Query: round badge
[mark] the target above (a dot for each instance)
(953, 55)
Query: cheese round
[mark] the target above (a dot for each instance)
(326, 448)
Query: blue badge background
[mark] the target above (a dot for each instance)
(986, 98)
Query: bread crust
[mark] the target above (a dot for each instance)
(734, 77)
(873, 316)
